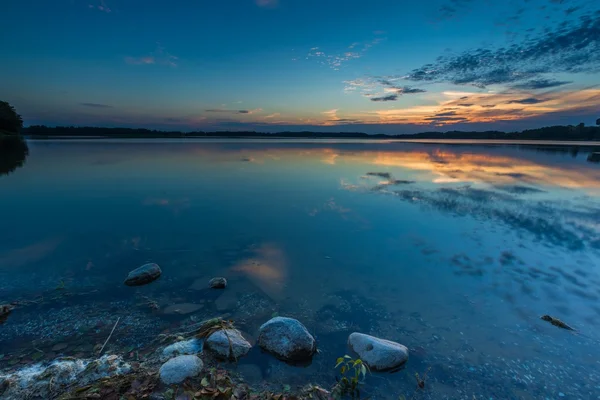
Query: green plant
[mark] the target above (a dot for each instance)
(351, 370)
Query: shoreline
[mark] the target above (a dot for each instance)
(261, 139)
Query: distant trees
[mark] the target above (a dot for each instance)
(598, 122)
(11, 123)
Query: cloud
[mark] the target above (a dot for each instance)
(100, 6)
(529, 100)
(337, 59)
(391, 97)
(159, 56)
(540, 84)
(226, 111)
(95, 105)
(569, 47)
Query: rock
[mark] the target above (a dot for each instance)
(226, 301)
(287, 339)
(5, 309)
(182, 308)
(192, 346)
(178, 369)
(378, 354)
(218, 283)
(143, 275)
(219, 343)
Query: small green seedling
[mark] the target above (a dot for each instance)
(352, 371)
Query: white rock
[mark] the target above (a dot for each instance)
(378, 354)
(178, 369)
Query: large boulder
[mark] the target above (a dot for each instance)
(217, 283)
(287, 339)
(228, 344)
(178, 369)
(143, 275)
(378, 354)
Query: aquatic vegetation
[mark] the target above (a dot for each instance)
(556, 322)
(351, 370)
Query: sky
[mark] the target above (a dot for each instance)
(377, 66)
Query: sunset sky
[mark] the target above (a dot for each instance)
(377, 66)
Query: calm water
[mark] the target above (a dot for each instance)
(453, 250)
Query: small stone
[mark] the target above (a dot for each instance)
(178, 369)
(378, 354)
(228, 344)
(287, 339)
(183, 308)
(59, 346)
(217, 283)
(143, 275)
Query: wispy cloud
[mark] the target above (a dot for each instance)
(100, 6)
(391, 97)
(336, 60)
(227, 111)
(570, 47)
(540, 84)
(160, 57)
(378, 88)
(529, 100)
(95, 105)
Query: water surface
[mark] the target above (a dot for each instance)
(453, 250)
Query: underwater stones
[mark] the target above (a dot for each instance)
(143, 275)
(5, 309)
(185, 347)
(217, 283)
(228, 344)
(287, 339)
(378, 354)
(178, 369)
(182, 308)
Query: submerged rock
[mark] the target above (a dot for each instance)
(5, 309)
(378, 354)
(287, 339)
(143, 275)
(186, 347)
(183, 308)
(178, 369)
(228, 343)
(217, 283)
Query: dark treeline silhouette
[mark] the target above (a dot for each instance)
(559, 133)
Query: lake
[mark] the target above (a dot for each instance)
(454, 250)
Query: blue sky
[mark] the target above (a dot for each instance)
(379, 66)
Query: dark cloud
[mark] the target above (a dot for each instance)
(220, 110)
(529, 100)
(391, 97)
(570, 47)
(95, 105)
(540, 84)
(409, 90)
(400, 89)
(488, 105)
(465, 104)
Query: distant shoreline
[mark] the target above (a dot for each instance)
(580, 135)
(260, 139)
